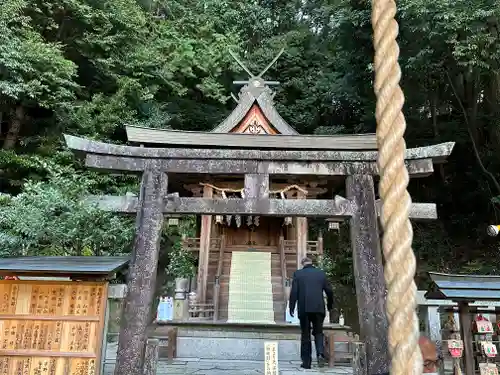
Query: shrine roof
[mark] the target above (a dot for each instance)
(165, 137)
(256, 92)
(463, 287)
(62, 265)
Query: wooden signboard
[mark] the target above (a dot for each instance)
(271, 358)
(51, 327)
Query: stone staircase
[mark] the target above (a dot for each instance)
(244, 342)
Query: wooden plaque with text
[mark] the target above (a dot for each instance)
(51, 327)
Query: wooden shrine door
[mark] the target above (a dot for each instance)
(51, 327)
(264, 235)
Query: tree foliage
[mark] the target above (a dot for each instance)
(51, 218)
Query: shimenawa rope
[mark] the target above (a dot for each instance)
(400, 263)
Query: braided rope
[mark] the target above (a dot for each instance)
(400, 264)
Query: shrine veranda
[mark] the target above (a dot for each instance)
(278, 176)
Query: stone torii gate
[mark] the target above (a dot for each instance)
(255, 166)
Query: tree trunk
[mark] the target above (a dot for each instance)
(468, 124)
(435, 128)
(14, 129)
(492, 100)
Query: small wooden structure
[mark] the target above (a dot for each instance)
(52, 314)
(465, 289)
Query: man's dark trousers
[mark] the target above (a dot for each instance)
(308, 320)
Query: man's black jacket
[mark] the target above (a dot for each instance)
(307, 291)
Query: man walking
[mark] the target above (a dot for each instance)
(308, 286)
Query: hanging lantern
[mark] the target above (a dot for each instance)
(219, 219)
(333, 225)
(237, 218)
(288, 220)
(173, 221)
(229, 218)
(256, 221)
(249, 221)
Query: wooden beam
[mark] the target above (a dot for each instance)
(339, 207)
(416, 168)
(203, 261)
(301, 229)
(418, 211)
(79, 145)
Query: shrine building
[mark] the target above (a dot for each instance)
(276, 244)
(253, 181)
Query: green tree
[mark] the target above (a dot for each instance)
(34, 72)
(52, 218)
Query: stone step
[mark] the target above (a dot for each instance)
(202, 367)
(225, 363)
(236, 348)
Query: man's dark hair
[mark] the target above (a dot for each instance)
(306, 261)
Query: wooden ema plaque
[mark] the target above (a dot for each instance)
(51, 327)
(482, 325)
(488, 369)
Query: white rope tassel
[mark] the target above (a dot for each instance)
(400, 264)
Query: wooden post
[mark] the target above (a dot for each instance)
(205, 233)
(151, 357)
(330, 347)
(301, 236)
(220, 266)
(142, 273)
(104, 344)
(369, 273)
(171, 344)
(358, 358)
(466, 333)
(320, 243)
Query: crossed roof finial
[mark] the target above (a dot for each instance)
(254, 77)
